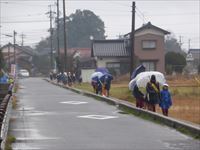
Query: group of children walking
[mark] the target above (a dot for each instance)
(153, 96)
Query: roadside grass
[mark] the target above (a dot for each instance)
(186, 99)
(10, 139)
(16, 87)
(14, 102)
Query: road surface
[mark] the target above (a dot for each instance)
(52, 118)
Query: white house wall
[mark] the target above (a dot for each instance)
(102, 62)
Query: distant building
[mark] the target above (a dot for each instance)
(112, 54)
(193, 60)
(149, 50)
(195, 53)
(84, 54)
(24, 55)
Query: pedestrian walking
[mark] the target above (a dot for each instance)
(74, 78)
(10, 88)
(51, 76)
(107, 85)
(99, 87)
(69, 79)
(139, 96)
(165, 102)
(153, 93)
(80, 80)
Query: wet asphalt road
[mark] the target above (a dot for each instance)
(53, 118)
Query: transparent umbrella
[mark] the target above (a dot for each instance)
(143, 78)
(96, 75)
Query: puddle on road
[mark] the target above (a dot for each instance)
(26, 108)
(98, 117)
(25, 139)
(38, 113)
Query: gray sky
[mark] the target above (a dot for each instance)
(28, 17)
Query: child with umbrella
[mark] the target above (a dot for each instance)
(165, 101)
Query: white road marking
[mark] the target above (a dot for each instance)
(23, 146)
(73, 102)
(98, 117)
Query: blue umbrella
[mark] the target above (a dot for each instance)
(102, 70)
(137, 71)
(106, 76)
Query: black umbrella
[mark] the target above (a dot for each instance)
(138, 70)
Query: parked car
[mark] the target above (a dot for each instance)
(23, 73)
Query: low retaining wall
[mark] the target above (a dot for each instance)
(5, 111)
(181, 126)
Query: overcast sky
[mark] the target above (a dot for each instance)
(28, 17)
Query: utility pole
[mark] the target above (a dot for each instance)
(58, 41)
(0, 24)
(9, 55)
(65, 37)
(189, 44)
(51, 35)
(22, 36)
(132, 40)
(180, 41)
(14, 42)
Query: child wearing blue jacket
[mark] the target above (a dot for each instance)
(165, 101)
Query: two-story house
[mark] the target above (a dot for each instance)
(23, 55)
(148, 50)
(149, 47)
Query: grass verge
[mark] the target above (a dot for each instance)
(10, 139)
(14, 102)
(186, 100)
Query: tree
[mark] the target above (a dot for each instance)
(81, 25)
(2, 63)
(174, 62)
(172, 45)
(42, 63)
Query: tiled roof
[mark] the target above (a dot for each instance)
(26, 49)
(110, 48)
(84, 52)
(148, 26)
(194, 51)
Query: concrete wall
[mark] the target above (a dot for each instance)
(86, 74)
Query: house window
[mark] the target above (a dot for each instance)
(149, 65)
(113, 65)
(149, 44)
(114, 68)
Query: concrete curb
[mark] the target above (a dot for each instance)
(181, 126)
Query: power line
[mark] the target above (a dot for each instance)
(31, 21)
(142, 15)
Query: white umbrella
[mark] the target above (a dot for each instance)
(96, 74)
(132, 84)
(143, 78)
